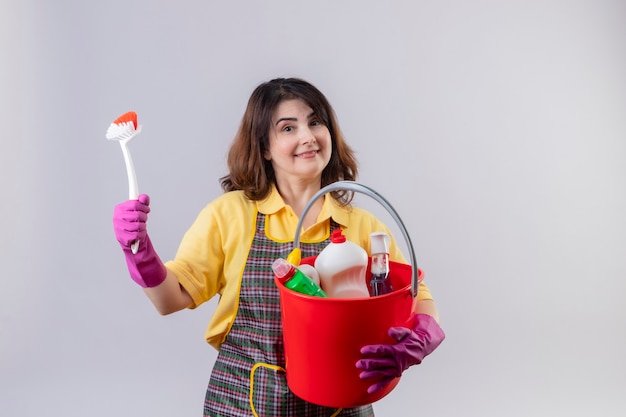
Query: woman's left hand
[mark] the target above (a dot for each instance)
(388, 361)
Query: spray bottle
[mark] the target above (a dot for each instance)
(379, 269)
(294, 279)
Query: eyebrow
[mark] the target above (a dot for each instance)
(293, 119)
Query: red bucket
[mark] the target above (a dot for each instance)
(323, 336)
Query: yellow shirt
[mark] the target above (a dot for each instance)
(213, 253)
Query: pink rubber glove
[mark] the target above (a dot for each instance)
(129, 223)
(389, 361)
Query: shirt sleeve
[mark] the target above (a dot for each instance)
(199, 261)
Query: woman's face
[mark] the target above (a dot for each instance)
(299, 143)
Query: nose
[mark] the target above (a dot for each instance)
(307, 136)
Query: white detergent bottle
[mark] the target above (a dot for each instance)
(342, 268)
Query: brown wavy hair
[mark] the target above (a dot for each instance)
(251, 172)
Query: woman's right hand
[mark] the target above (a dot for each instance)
(129, 221)
(129, 224)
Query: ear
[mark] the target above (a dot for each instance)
(267, 155)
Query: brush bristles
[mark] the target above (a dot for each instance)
(122, 130)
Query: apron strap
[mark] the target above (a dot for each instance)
(277, 369)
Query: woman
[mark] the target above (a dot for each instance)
(287, 148)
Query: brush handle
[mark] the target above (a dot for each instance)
(133, 189)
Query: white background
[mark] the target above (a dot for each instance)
(496, 128)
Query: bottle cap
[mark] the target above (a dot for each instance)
(282, 269)
(337, 236)
(379, 242)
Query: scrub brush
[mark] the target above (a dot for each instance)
(123, 129)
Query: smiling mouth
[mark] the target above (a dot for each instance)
(308, 154)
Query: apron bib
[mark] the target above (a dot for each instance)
(248, 377)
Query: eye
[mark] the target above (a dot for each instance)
(287, 129)
(315, 122)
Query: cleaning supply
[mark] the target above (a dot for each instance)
(123, 129)
(294, 256)
(309, 271)
(379, 266)
(295, 279)
(342, 267)
(323, 336)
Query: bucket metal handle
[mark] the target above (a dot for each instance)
(360, 188)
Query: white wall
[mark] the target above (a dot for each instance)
(496, 129)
